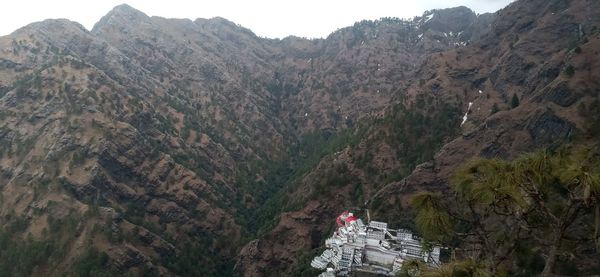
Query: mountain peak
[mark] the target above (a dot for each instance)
(53, 26)
(125, 8)
(120, 14)
(450, 19)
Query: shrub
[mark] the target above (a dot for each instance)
(514, 102)
(570, 70)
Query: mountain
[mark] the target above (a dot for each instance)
(545, 56)
(157, 146)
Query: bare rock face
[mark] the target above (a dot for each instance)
(125, 258)
(561, 94)
(546, 128)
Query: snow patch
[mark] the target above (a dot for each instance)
(462, 43)
(429, 17)
(465, 117)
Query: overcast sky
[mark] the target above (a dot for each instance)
(267, 18)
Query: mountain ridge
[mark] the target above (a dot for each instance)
(177, 143)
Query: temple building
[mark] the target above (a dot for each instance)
(372, 248)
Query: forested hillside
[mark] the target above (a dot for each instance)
(164, 147)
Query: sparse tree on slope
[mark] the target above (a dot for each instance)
(500, 206)
(514, 102)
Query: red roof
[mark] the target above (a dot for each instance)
(351, 218)
(339, 220)
(344, 218)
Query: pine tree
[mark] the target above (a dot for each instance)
(514, 102)
(534, 201)
(570, 70)
(495, 109)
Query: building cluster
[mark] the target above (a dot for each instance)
(372, 247)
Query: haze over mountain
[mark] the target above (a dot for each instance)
(157, 146)
(266, 18)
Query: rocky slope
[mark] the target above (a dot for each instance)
(544, 52)
(162, 146)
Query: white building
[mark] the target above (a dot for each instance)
(374, 248)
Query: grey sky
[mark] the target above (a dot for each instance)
(267, 18)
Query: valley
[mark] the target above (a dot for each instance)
(163, 147)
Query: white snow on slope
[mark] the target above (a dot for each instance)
(429, 17)
(466, 114)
